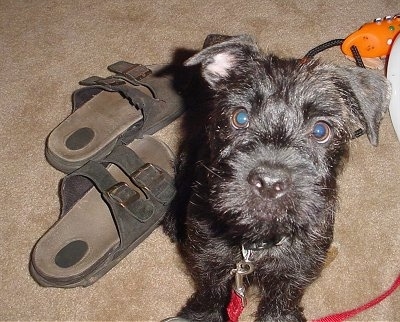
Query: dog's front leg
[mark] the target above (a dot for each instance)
(210, 264)
(208, 303)
(281, 303)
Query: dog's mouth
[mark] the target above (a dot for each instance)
(276, 241)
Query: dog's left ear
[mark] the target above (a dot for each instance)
(220, 59)
(368, 97)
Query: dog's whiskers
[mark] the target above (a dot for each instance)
(201, 163)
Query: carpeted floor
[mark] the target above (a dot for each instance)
(46, 47)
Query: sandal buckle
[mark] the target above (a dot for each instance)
(136, 71)
(122, 194)
(156, 181)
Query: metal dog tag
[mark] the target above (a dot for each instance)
(242, 269)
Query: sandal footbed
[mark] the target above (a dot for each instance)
(107, 116)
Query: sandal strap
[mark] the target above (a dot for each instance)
(135, 72)
(136, 97)
(129, 210)
(121, 198)
(128, 207)
(155, 182)
(145, 103)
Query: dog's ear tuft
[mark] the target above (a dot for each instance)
(221, 58)
(370, 96)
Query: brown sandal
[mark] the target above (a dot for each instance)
(99, 225)
(120, 108)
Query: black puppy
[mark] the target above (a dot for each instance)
(258, 184)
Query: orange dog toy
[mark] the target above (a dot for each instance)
(369, 45)
(373, 39)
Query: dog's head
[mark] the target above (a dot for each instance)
(278, 132)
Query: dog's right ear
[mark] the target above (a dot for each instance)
(220, 59)
(368, 95)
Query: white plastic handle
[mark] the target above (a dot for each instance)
(393, 75)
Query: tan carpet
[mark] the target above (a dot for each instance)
(46, 47)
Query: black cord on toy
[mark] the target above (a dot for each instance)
(324, 46)
(334, 43)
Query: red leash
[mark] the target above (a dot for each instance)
(236, 306)
(339, 317)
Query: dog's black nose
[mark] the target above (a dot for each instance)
(269, 182)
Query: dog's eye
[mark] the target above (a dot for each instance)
(322, 132)
(240, 119)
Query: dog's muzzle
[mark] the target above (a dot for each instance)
(270, 182)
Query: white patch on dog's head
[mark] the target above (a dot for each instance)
(219, 60)
(222, 63)
(219, 68)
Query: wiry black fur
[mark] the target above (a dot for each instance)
(219, 209)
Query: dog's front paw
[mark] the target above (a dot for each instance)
(294, 317)
(209, 316)
(201, 308)
(201, 317)
(175, 319)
